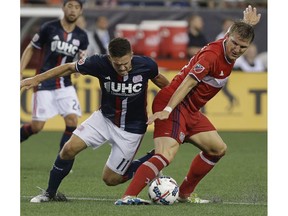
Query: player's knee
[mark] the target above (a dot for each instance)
(71, 120)
(67, 152)
(221, 150)
(112, 180)
(36, 128)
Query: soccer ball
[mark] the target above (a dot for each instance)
(163, 190)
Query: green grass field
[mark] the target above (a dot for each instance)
(238, 182)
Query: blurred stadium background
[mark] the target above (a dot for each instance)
(145, 24)
(243, 125)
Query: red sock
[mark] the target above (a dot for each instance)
(145, 173)
(200, 166)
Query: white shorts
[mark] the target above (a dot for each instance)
(49, 103)
(97, 130)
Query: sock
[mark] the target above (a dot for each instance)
(60, 169)
(200, 166)
(145, 173)
(25, 132)
(66, 135)
(135, 164)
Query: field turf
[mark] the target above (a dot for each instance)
(238, 183)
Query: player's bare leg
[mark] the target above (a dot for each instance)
(110, 177)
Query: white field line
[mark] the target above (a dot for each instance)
(113, 200)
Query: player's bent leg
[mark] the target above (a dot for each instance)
(209, 142)
(213, 148)
(72, 147)
(111, 178)
(29, 129)
(166, 146)
(37, 126)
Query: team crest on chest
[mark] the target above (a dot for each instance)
(137, 79)
(76, 42)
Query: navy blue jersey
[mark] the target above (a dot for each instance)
(124, 99)
(58, 47)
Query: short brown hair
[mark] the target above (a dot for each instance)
(119, 47)
(244, 30)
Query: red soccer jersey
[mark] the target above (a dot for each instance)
(210, 68)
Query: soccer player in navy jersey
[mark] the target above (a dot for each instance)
(121, 119)
(60, 41)
(178, 119)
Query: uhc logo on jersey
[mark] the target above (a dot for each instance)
(64, 47)
(123, 89)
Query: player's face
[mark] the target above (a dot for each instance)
(235, 46)
(72, 10)
(122, 65)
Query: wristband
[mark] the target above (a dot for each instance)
(168, 109)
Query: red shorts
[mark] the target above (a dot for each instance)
(182, 123)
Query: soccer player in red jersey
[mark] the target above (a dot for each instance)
(178, 119)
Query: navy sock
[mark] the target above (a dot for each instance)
(60, 169)
(66, 135)
(25, 132)
(135, 164)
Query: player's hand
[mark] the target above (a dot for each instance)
(158, 115)
(250, 15)
(28, 83)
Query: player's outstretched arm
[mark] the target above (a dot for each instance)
(250, 15)
(25, 58)
(62, 70)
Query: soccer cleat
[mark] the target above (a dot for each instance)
(193, 199)
(40, 198)
(45, 197)
(130, 200)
